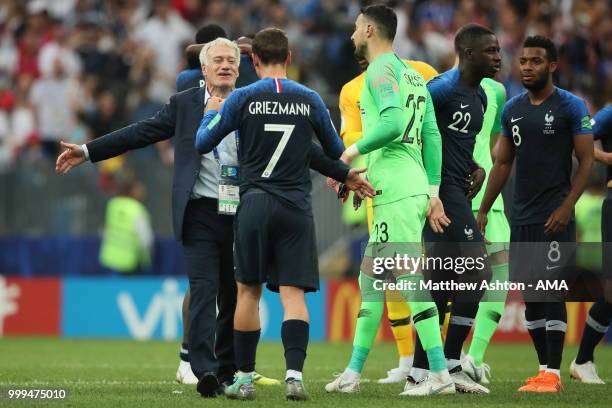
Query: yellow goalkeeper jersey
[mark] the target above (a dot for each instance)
(350, 129)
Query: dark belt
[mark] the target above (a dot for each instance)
(204, 202)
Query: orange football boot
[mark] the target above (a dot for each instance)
(550, 382)
(531, 383)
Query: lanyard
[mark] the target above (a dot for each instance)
(216, 152)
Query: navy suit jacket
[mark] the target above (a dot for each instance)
(180, 118)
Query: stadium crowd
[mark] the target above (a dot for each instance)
(76, 69)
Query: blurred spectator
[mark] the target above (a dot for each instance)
(27, 54)
(588, 221)
(22, 119)
(106, 117)
(165, 33)
(52, 98)
(126, 53)
(145, 107)
(127, 242)
(58, 50)
(438, 13)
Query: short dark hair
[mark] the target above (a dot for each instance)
(384, 17)
(209, 32)
(538, 41)
(271, 46)
(192, 54)
(467, 35)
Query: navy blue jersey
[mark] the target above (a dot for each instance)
(189, 78)
(459, 113)
(602, 130)
(543, 141)
(247, 74)
(277, 120)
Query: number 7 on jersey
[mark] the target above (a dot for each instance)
(287, 131)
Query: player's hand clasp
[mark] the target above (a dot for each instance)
(436, 215)
(214, 103)
(475, 182)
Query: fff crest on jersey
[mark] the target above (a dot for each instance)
(548, 122)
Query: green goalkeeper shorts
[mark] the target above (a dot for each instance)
(397, 227)
(497, 231)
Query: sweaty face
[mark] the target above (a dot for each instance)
(486, 56)
(535, 68)
(359, 38)
(222, 67)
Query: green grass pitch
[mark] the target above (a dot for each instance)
(117, 373)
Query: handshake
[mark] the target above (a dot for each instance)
(354, 182)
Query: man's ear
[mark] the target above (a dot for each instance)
(256, 60)
(288, 60)
(553, 66)
(468, 52)
(369, 30)
(203, 67)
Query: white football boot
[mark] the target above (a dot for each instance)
(586, 373)
(395, 376)
(479, 374)
(184, 375)
(464, 384)
(435, 384)
(343, 384)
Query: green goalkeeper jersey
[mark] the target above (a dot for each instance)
(491, 125)
(400, 135)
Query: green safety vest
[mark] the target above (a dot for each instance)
(121, 249)
(588, 223)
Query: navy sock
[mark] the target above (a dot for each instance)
(184, 352)
(294, 334)
(597, 323)
(461, 322)
(535, 317)
(245, 349)
(556, 326)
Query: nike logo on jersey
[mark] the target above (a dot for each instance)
(550, 268)
(463, 106)
(512, 120)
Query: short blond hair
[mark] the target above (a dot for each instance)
(219, 41)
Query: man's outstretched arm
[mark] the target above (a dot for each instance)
(146, 132)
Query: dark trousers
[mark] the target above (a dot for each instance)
(208, 240)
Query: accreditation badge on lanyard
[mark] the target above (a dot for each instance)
(229, 191)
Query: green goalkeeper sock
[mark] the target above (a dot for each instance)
(427, 324)
(487, 319)
(368, 321)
